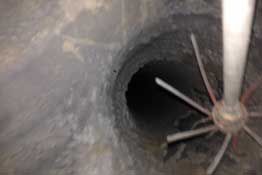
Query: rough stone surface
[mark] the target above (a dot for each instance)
(58, 63)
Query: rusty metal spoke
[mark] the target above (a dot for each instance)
(255, 114)
(180, 95)
(250, 91)
(201, 121)
(253, 135)
(211, 169)
(189, 134)
(202, 69)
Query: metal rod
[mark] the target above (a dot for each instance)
(250, 91)
(177, 93)
(237, 24)
(253, 135)
(202, 69)
(255, 114)
(188, 134)
(211, 169)
(201, 121)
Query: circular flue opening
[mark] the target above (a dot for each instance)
(155, 110)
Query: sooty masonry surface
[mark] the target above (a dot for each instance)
(60, 64)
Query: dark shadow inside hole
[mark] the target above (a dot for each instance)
(154, 109)
(158, 113)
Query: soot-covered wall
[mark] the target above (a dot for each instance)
(65, 67)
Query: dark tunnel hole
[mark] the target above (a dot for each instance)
(153, 108)
(158, 112)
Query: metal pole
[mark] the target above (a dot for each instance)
(188, 134)
(237, 24)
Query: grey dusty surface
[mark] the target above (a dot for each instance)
(62, 89)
